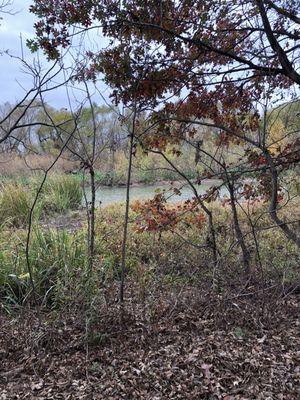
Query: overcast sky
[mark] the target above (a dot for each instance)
(14, 82)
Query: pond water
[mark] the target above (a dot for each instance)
(109, 195)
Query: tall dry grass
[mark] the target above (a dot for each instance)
(13, 165)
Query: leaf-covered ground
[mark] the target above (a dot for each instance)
(186, 350)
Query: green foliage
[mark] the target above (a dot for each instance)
(61, 193)
(59, 258)
(152, 168)
(32, 45)
(15, 204)
(56, 258)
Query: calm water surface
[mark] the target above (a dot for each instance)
(109, 195)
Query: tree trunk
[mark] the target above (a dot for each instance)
(125, 232)
(92, 218)
(238, 231)
(291, 235)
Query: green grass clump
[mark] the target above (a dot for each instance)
(15, 204)
(61, 193)
(57, 258)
